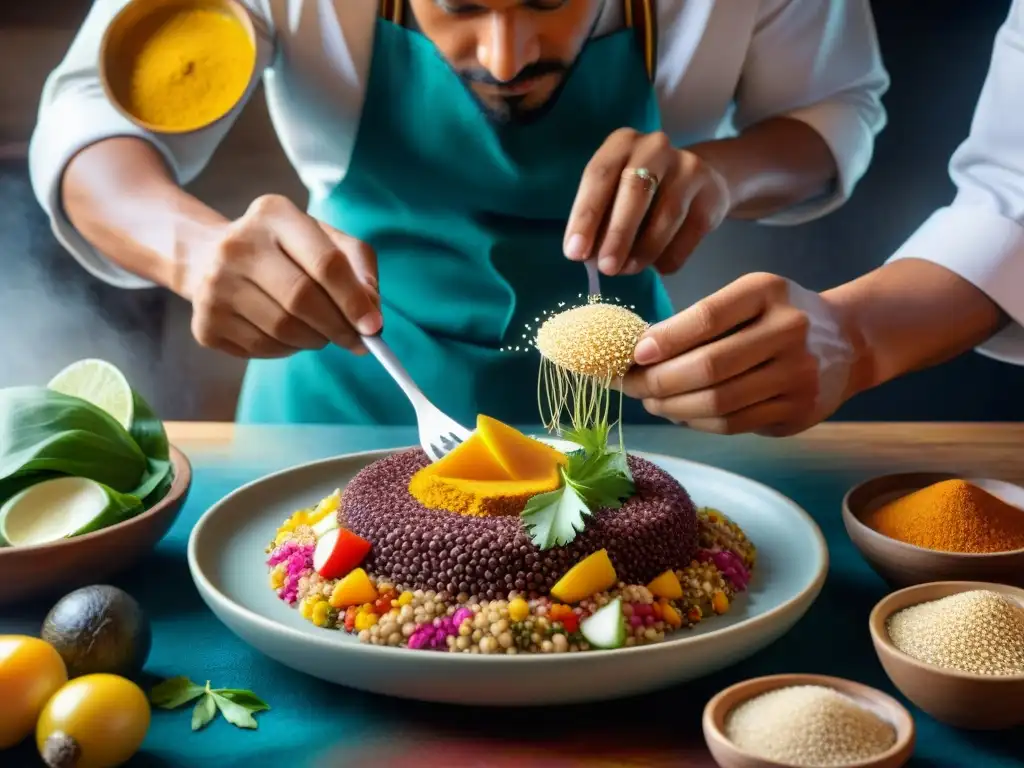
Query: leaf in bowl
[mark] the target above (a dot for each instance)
(42, 430)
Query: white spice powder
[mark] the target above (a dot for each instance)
(808, 725)
(979, 631)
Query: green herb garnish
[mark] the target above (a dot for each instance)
(235, 704)
(595, 477)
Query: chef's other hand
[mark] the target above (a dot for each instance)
(641, 201)
(761, 355)
(278, 281)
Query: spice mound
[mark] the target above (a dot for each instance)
(808, 725)
(951, 516)
(979, 632)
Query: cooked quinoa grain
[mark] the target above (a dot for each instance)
(406, 614)
(489, 557)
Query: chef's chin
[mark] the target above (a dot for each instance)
(516, 109)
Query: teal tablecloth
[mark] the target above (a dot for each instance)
(310, 716)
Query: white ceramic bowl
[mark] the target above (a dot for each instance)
(227, 561)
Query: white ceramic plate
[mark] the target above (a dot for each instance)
(227, 561)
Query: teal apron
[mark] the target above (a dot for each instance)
(467, 218)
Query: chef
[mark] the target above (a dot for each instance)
(463, 157)
(768, 356)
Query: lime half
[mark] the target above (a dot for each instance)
(100, 383)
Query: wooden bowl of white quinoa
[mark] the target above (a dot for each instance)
(956, 650)
(783, 721)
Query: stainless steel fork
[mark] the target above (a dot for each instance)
(439, 433)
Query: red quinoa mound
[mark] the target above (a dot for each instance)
(487, 557)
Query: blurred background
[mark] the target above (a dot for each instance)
(52, 312)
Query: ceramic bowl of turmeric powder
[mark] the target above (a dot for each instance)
(182, 66)
(914, 528)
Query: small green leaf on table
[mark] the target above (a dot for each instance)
(236, 705)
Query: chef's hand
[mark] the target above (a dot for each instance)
(627, 222)
(278, 281)
(761, 355)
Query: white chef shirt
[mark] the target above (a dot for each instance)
(980, 235)
(722, 66)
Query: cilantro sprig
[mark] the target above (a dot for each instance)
(595, 477)
(235, 704)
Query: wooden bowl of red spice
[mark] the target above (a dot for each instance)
(921, 527)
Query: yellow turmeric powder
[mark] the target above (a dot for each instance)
(477, 498)
(186, 67)
(951, 516)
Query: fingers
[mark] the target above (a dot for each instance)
(230, 332)
(762, 417)
(323, 260)
(770, 380)
(781, 331)
(297, 294)
(360, 255)
(596, 193)
(633, 198)
(739, 302)
(703, 215)
(273, 320)
(672, 214)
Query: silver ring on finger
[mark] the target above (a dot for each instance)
(650, 180)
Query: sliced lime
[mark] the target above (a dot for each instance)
(62, 508)
(100, 383)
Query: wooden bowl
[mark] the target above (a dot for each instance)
(903, 565)
(979, 702)
(65, 565)
(118, 43)
(884, 706)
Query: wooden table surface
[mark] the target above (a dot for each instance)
(990, 448)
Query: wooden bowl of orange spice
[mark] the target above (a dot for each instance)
(921, 527)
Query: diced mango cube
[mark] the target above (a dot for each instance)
(666, 585)
(589, 576)
(355, 589)
(671, 615)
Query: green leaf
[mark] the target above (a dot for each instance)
(157, 471)
(148, 431)
(204, 712)
(234, 713)
(247, 699)
(42, 430)
(554, 518)
(173, 692)
(593, 440)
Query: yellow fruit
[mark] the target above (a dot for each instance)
(354, 589)
(518, 609)
(589, 576)
(666, 585)
(101, 718)
(672, 617)
(522, 457)
(494, 472)
(30, 672)
(719, 602)
(365, 621)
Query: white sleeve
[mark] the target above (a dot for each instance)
(980, 235)
(74, 113)
(817, 62)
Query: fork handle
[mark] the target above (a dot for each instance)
(593, 277)
(383, 353)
